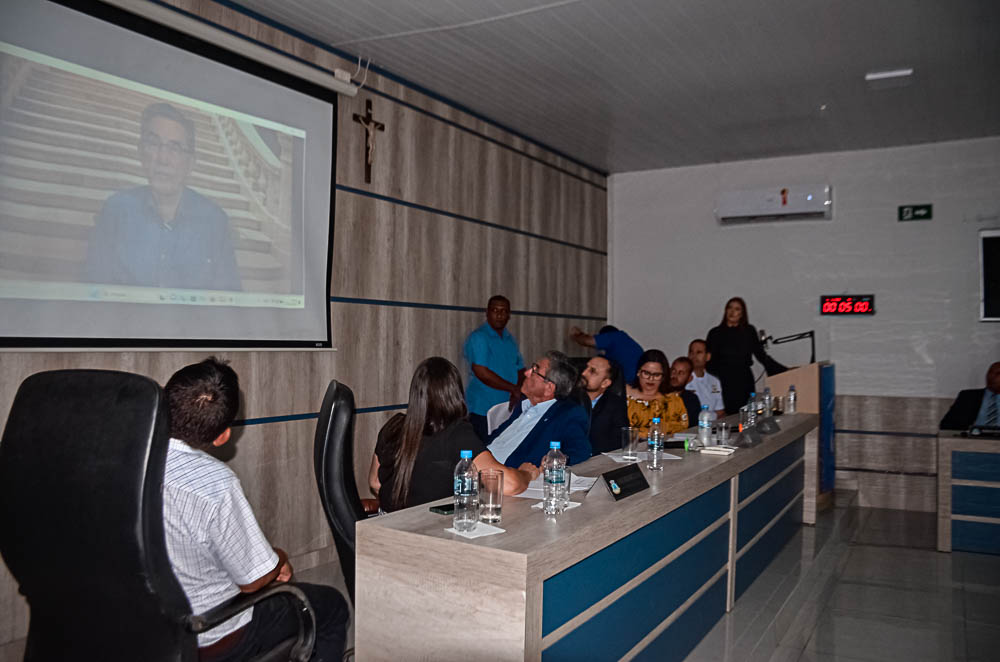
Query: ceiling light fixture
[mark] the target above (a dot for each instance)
(892, 73)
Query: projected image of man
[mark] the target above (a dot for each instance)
(163, 234)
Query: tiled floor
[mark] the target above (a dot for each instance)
(865, 584)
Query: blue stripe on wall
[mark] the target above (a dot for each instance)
(978, 537)
(581, 585)
(687, 631)
(615, 630)
(756, 514)
(757, 558)
(969, 465)
(443, 306)
(467, 219)
(977, 500)
(753, 478)
(381, 72)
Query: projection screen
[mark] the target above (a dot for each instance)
(156, 190)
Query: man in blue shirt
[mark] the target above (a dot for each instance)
(617, 345)
(495, 365)
(163, 234)
(978, 407)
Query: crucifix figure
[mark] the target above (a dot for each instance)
(371, 126)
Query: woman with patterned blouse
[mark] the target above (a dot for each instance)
(648, 397)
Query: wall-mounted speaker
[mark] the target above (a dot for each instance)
(989, 271)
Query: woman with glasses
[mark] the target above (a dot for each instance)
(732, 344)
(416, 452)
(648, 396)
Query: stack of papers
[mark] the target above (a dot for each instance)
(536, 488)
(643, 456)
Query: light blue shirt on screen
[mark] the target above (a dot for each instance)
(495, 351)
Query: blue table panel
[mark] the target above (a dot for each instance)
(615, 630)
(581, 585)
(687, 631)
(756, 514)
(757, 558)
(753, 478)
(978, 537)
(969, 465)
(975, 500)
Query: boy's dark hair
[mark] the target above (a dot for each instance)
(203, 400)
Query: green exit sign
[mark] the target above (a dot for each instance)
(916, 212)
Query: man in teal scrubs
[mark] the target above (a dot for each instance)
(495, 365)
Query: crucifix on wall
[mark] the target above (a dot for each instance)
(371, 126)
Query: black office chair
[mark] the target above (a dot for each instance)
(333, 455)
(81, 525)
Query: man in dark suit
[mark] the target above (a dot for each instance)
(549, 413)
(609, 411)
(976, 406)
(680, 376)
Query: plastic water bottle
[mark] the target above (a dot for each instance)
(704, 427)
(751, 411)
(792, 400)
(554, 473)
(768, 401)
(655, 446)
(466, 493)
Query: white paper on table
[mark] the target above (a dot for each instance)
(569, 506)
(536, 488)
(482, 529)
(643, 456)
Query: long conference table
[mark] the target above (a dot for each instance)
(644, 578)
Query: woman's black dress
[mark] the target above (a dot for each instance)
(732, 348)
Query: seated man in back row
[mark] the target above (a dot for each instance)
(978, 407)
(550, 413)
(215, 546)
(608, 411)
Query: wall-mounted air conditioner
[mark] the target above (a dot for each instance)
(779, 203)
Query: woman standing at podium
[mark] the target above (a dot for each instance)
(732, 345)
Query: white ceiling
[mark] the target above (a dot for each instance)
(627, 85)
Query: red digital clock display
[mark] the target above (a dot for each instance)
(847, 304)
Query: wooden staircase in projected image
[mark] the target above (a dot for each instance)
(68, 142)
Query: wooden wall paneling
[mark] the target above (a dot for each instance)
(884, 453)
(416, 256)
(422, 160)
(897, 491)
(890, 414)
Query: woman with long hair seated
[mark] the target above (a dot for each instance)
(648, 396)
(416, 452)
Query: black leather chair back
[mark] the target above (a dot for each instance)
(81, 518)
(334, 464)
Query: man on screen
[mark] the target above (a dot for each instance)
(164, 234)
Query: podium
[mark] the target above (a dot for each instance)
(815, 385)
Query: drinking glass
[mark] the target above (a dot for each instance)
(723, 432)
(630, 442)
(490, 495)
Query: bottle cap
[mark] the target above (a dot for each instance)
(704, 407)
(555, 444)
(792, 387)
(465, 455)
(752, 393)
(656, 419)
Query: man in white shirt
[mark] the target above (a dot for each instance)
(707, 386)
(215, 546)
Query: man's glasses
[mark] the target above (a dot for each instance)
(153, 144)
(538, 371)
(650, 375)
